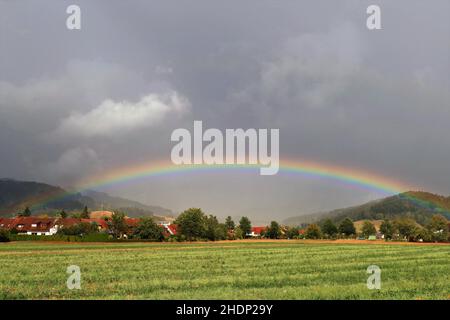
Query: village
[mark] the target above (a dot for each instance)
(194, 225)
(101, 220)
(48, 226)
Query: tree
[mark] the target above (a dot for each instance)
(438, 222)
(292, 233)
(25, 213)
(347, 227)
(76, 215)
(329, 228)
(85, 213)
(117, 224)
(229, 223)
(192, 224)
(79, 229)
(407, 228)
(214, 229)
(63, 214)
(368, 229)
(426, 235)
(439, 228)
(238, 234)
(148, 229)
(245, 225)
(313, 232)
(273, 231)
(387, 229)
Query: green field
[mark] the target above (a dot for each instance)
(256, 270)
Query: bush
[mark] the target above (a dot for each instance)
(4, 236)
(94, 237)
(82, 228)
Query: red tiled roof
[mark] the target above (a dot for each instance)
(44, 224)
(258, 230)
(172, 228)
(101, 222)
(32, 224)
(7, 223)
(132, 222)
(68, 222)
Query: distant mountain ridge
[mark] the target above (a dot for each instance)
(131, 207)
(418, 205)
(45, 198)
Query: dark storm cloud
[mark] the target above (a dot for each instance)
(373, 100)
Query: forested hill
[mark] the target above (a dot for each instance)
(418, 205)
(44, 198)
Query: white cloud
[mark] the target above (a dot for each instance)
(37, 104)
(112, 117)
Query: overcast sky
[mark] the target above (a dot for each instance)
(75, 103)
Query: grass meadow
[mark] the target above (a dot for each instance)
(226, 270)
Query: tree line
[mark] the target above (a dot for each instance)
(194, 225)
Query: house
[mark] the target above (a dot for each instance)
(169, 229)
(34, 226)
(256, 231)
(102, 223)
(173, 229)
(7, 223)
(67, 222)
(131, 223)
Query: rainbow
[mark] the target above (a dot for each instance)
(347, 176)
(352, 177)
